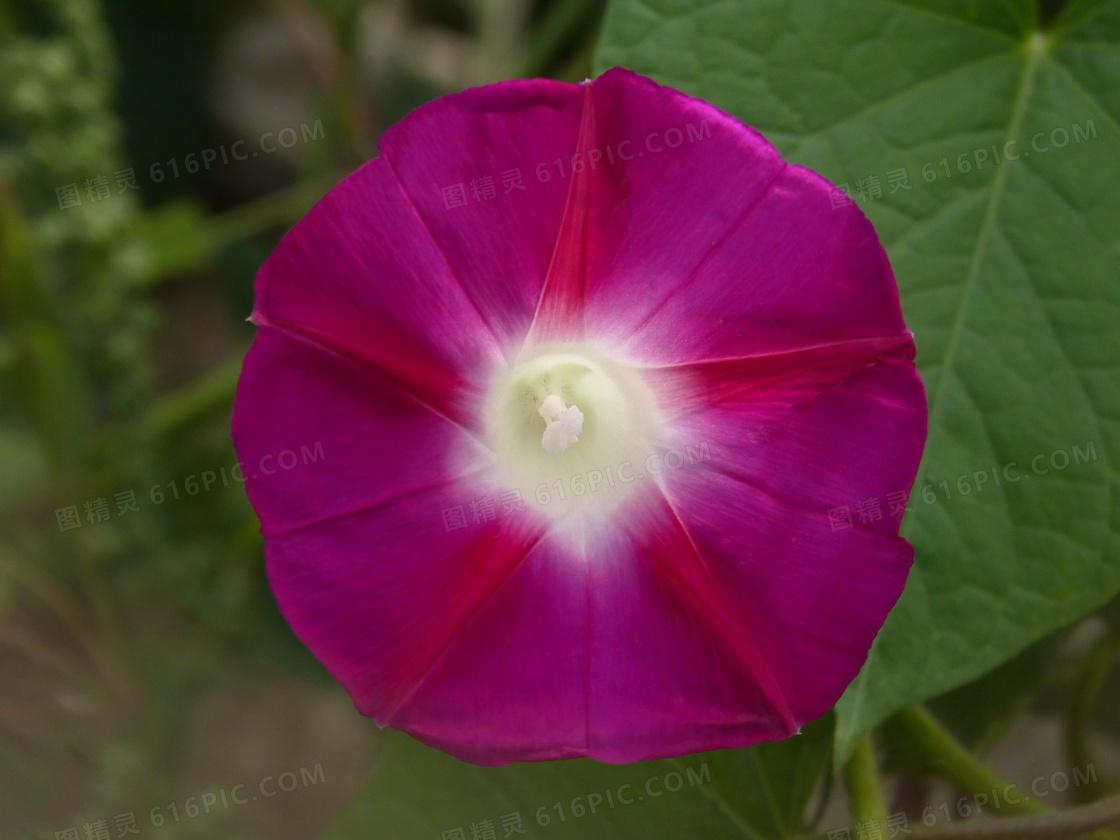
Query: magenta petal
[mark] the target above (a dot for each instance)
(620, 649)
(782, 379)
(677, 175)
(513, 685)
(560, 311)
(391, 588)
(812, 599)
(361, 275)
(814, 595)
(498, 145)
(713, 246)
(791, 273)
(819, 448)
(359, 554)
(344, 460)
(674, 667)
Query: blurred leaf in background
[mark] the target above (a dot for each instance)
(758, 793)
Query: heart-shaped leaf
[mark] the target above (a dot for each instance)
(983, 140)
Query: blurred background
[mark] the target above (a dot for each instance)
(151, 155)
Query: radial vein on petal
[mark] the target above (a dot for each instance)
(877, 350)
(743, 216)
(377, 503)
(467, 618)
(450, 268)
(580, 182)
(754, 662)
(294, 331)
(898, 340)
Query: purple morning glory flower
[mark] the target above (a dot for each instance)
(594, 372)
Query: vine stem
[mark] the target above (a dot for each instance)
(1072, 822)
(1090, 678)
(969, 774)
(208, 395)
(865, 787)
(956, 762)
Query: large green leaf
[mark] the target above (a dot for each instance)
(1009, 273)
(418, 793)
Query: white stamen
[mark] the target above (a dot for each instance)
(563, 432)
(572, 421)
(551, 407)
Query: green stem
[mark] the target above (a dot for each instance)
(275, 210)
(318, 39)
(822, 802)
(205, 396)
(1072, 822)
(1092, 673)
(559, 28)
(955, 762)
(970, 775)
(865, 788)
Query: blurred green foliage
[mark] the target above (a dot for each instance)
(123, 292)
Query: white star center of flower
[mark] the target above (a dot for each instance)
(570, 428)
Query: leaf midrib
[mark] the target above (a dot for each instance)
(1018, 112)
(1022, 98)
